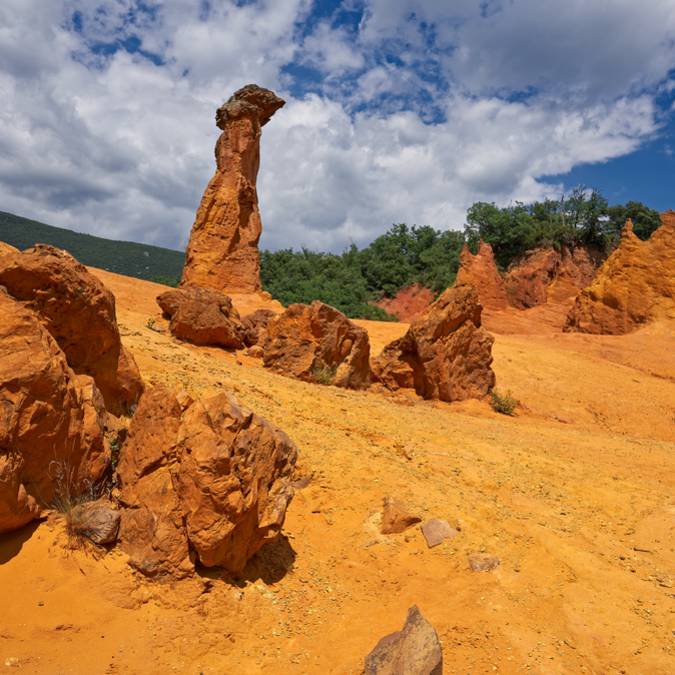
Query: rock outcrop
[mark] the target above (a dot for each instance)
(200, 480)
(317, 343)
(414, 650)
(223, 250)
(202, 316)
(79, 312)
(480, 271)
(446, 354)
(51, 420)
(408, 303)
(544, 275)
(7, 248)
(635, 284)
(255, 326)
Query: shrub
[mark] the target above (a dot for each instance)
(323, 374)
(503, 403)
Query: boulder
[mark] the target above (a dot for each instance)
(96, 520)
(79, 312)
(414, 650)
(200, 481)
(480, 271)
(255, 326)
(635, 284)
(202, 316)
(51, 421)
(317, 343)
(445, 354)
(223, 250)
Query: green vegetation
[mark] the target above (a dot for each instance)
(153, 263)
(351, 281)
(503, 403)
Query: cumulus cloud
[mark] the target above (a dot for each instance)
(108, 109)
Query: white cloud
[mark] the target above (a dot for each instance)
(118, 146)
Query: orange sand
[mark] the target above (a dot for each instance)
(576, 495)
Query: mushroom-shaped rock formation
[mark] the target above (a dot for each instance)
(51, 421)
(317, 343)
(200, 480)
(480, 271)
(446, 354)
(203, 317)
(634, 285)
(79, 312)
(223, 250)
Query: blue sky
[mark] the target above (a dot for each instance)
(397, 110)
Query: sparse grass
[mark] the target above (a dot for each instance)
(323, 374)
(504, 404)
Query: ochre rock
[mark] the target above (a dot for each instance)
(202, 316)
(223, 250)
(7, 248)
(480, 271)
(396, 517)
(95, 520)
(445, 354)
(79, 312)
(201, 478)
(255, 326)
(636, 284)
(51, 421)
(408, 303)
(546, 275)
(317, 343)
(414, 650)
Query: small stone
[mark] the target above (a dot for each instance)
(96, 521)
(435, 531)
(12, 662)
(395, 517)
(482, 562)
(414, 650)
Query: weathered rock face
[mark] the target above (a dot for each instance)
(79, 312)
(51, 420)
(545, 274)
(7, 248)
(445, 354)
(255, 326)
(414, 650)
(223, 249)
(635, 284)
(408, 303)
(202, 316)
(480, 271)
(200, 480)
(317, 343)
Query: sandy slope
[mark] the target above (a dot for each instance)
(575, 495)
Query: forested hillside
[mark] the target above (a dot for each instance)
(352, 280)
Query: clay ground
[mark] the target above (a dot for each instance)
(576, 495)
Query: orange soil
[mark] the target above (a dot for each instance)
(576, 495)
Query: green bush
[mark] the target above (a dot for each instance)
(503, 403)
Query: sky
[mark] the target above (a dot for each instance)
(397, 110)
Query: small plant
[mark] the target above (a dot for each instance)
(503, 403)
(323, 374)
(150, 323)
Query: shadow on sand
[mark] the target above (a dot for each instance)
(12, 542)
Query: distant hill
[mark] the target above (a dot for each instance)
(142, 261)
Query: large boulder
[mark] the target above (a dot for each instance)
(635, 284)
(79, 312)
(317, 343)
(446, 354)
(255, 326)
(200, 481)
(52, 449)
(223, 250)
(202, 316)
(480, 271)
(414, 650)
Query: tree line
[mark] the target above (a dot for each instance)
(352, 280)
